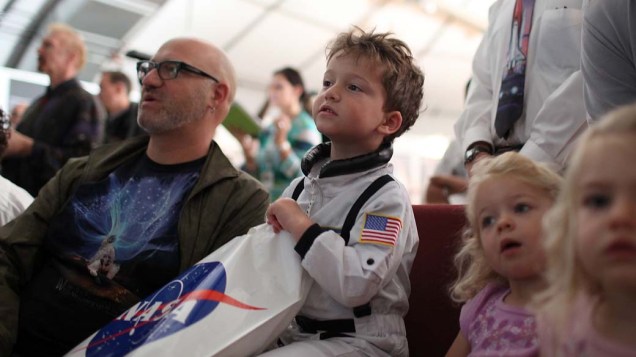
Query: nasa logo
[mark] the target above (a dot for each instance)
(179, 304)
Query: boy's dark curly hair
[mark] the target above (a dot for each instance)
(403, 79)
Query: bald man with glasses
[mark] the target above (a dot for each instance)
(115, 226)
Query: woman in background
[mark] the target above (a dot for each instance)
(274, 158)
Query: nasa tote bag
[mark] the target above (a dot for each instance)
(234, 302)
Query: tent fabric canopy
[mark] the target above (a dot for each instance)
(261, 36)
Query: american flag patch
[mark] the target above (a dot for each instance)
(380, 230)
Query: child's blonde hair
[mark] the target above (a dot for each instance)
(474, 273)
(565, 275)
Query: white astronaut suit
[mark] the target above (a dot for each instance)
(361, 275)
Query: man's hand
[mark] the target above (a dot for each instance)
(285, 214)
(19, 145)
(441, 186)
(454, 184)
(475, 152)
(469, 166)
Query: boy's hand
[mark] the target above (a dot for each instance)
(285, 214)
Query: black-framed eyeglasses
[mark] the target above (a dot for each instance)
(168, 70)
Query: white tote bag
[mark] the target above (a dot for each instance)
(235, 302)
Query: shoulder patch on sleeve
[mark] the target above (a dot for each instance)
(379, 229)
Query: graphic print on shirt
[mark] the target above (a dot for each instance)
(103, 263)
(119, 236)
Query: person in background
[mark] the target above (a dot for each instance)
(501, 261)
(275, 157)
(146, 210)
(450, 181)
(13, 199)
(589, 308)
(121, 120)
(61, 124)
(358, 254)
(608, 55)
(526, 91)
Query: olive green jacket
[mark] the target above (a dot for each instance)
(224, 203)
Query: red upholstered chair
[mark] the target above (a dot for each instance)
(433, 319)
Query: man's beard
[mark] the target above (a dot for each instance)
(168, 119)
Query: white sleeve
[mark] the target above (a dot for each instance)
(475, 121)
(558, 124)
(353, 274)
(608, 55)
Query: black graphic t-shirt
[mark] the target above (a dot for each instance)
(115, 242)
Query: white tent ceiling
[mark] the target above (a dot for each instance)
(261, 36)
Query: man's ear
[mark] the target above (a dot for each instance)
(73, 59)
(220, 92)
(391, 124)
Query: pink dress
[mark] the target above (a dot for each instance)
(580, 339)
(494, 328)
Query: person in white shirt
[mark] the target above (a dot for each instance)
(608, 55)
(13, 199)
(553, 106)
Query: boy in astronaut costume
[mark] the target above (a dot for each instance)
(352, 221)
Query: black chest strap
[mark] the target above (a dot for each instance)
(350, 220)
(299, 188)
(374, 187)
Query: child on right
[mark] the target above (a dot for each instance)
(589, 308)
(501, 260)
